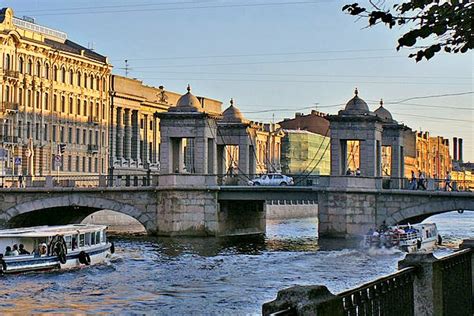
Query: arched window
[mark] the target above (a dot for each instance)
(63, 75)
(37, 100)
(78, 105)
(55, 73)
(91, 109)
(38, 69)
(7, 93)
(71, 105)
(7, 62)
(46, 101)
(21, 65)
(46, 71)
(85, 80)
(71, 77)
(97, 82)
(97, 113)
(92, 82)
(63, 104)
(84, 108)
(55, 103)
(29, 68)
(79, 78)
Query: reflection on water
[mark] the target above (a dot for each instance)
(174, 276)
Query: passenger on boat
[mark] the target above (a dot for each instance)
(8, 251)
(22, 250)
(43, 249)
(15, 250)
(73, 243)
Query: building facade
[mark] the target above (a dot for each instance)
(54, 94)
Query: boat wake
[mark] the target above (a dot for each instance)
(375, 251)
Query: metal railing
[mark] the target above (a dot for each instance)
(389, 295)
(456, 280)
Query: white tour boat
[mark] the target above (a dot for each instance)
(407, 238)
(52, 247)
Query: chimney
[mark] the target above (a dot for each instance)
(460, 149)
(455, 148)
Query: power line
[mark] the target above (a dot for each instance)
(434, 96)
(261, 54)
(268, 62)
(303, 75)
(306, 81)
(222, 6)
(434, 117)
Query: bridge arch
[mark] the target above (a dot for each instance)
(417, 213)
(79, 207)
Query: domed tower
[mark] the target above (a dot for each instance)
(356, 138)
(188, 138)
(234, 131)
(393, 164)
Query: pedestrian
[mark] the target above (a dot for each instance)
(413, 181)
(448, 182)
(421, 181)
(20, 181)
(357, 172)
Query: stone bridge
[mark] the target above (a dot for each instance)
(221, 211)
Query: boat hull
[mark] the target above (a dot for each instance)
(20, 264)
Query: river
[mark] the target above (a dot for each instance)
(177, 276)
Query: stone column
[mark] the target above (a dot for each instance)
(200, 155)
(127, 150)
(112, 136)
(136, 137)
(155, 153)
(118, 134)
(146, 155)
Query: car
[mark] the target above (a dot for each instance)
(272, 179)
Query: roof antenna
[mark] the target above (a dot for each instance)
(126, 67)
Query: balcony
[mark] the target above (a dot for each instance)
(9, 140)
(9, 106)
(11, 73)
(94, 149)
(94, 120)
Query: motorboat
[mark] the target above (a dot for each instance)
(407, 238)
(53, 247)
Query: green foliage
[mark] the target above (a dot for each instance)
(449, 24)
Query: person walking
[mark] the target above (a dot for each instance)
(20, 181)
(421, 181)
(447, 182)
(413, 181)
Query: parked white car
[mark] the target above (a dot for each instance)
(272, 179)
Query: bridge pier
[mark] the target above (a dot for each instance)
(241, 218)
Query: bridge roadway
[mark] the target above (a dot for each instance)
(225, 210)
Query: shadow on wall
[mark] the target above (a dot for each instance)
(117, 223)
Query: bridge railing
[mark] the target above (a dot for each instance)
(424, 285)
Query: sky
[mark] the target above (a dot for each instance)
(273, 57)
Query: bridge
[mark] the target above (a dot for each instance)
(170, 208)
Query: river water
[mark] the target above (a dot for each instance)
(177, 276)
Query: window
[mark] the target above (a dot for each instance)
(97, 137)
(71, 77)
(28, 98)
(96, 165)
(7, 62)
(141, 123)
(82, 240)
(91, 85)
(151, 125)
(61, 134)
(7, 93)
(78, 78)
(20, 96)
(55, 73)
(97, 113)
(69, 137)
(78, 105)
(85, 80)
(20, 127)
(29, 68)
(84, 137)
(78, 136)
(38, 69)
(90, 164)
(97, 237)
(46, 101)
(77, 164)
(84, 108)
(83, 164)
(54, 133)
(38, 99)
(90, 137)
(45, 132)
(71, 105)
(37, 131)
(46, 71)
(63, 104)
(69, 163)
(21, 65)
(63, 75)
(103, 112)
(28, 130)
(55, 102)
(97, 79)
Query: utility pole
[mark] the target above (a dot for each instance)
(126, 67)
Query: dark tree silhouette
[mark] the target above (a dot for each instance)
(435, 25)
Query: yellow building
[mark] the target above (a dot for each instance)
(53, 92)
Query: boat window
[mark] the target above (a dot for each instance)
(68, 240)
(92, 238)
(81, 240)
(88, 239)
(97, 237)
(102, 236)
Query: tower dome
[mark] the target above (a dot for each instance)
(188, 102)
(356, 105)
(383, 113)
(232, 114)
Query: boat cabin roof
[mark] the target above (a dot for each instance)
(47, 231)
